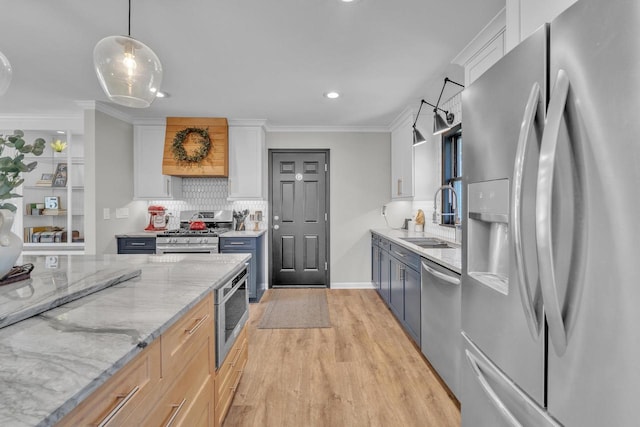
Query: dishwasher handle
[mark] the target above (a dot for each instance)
(442, 276)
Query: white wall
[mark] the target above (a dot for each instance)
(359, 176)
(109, 182)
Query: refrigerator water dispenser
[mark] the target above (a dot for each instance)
(488, 233)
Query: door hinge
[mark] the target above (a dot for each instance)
(325, 216)
(325, 167)
(326, 266)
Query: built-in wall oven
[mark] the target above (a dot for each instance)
(232, 312)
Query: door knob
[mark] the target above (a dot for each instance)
(276, 227)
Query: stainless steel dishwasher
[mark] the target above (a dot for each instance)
(441, 322)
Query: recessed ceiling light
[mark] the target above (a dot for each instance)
(349, 1)
(61, 132)
(332, 95)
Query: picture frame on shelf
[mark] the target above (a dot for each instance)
(52, 202)
(60, 176)
(45, 181)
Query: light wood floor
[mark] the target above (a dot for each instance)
(364, 371)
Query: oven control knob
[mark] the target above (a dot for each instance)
(187, 240)
(205, 240)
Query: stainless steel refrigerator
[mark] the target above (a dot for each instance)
(551, 272)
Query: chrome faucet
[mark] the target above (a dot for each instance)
(454, 208)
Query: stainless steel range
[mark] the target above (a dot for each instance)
(204, 239)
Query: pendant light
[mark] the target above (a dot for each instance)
(128, 70)
(6, 72)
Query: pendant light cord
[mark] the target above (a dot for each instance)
(129, 29)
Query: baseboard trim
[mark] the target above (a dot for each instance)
(352, 285)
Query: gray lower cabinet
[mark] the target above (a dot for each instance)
(381, 264)
(251, 245)
(412, 303)
(398, 282)
(136, 245)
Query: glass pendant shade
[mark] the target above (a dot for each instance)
(6, 72)
(417, 137)
(439, 125)
(129, 72)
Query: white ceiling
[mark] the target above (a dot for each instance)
(247, 59)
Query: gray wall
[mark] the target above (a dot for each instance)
(360, 173)
(109, 182)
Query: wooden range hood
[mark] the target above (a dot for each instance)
(215, 164)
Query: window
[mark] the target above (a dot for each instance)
(452, 175)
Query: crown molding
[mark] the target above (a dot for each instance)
(493, 29)
(106, 109)
(72, 120)
(247, 122)
(319, 129)
(405, 115)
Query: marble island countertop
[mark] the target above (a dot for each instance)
(450, 258)
(52, 361)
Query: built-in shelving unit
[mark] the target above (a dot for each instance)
(50, 217)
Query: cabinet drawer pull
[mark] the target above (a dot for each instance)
(236, 243)
(199, 323)
(138, 244)
(176, 410)
(124, 399)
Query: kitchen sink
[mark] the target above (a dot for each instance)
(429, 242)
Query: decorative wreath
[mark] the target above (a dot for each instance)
(180, 154)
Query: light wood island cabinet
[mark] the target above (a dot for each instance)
(172, 382)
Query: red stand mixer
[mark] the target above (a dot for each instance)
(157, 218)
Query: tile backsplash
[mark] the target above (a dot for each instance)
(202, 194)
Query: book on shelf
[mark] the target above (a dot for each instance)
(43, 183)
(32, 234)
(34, 208)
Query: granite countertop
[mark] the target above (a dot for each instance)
(244, 233)
(450, 258)
(52, 361)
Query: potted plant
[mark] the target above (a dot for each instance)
(12, 166)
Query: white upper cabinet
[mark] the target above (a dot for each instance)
(148, 181)
(402, 157)
(247, 154)
(484, 50)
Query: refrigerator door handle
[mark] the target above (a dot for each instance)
(524, 411)
(544, 232)
(530, 305)
(495, 399)
(444, 277)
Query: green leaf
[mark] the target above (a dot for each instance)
(9, 206)
(19, 144)
(26, 148)
(19, 133)
(31, 166)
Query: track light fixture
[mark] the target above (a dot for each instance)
(129, 72)
(440, 125)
